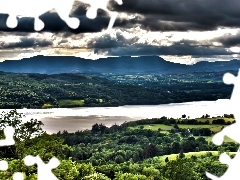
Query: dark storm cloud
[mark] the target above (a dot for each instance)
(155, 15)
(26, 43)
(53, 23)
(182, 15)
(229, 40)
(106, 41)
(51, 20)
(176, 49)
(119, 45)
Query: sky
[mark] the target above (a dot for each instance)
(184, 31)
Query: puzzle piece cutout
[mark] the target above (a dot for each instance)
(35, 8)
(8, 141)
(233, 172)
(9, 133)
(3, 165)
(44, 171)
(231, 131)
(101, 4)
(18, 176)
(229, 79)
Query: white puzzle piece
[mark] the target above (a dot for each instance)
(9, 140)
(35, 8)
(232, 172)
(232, 131)
(101, 4)
(3, 165)
(44, 170)
(18, 176)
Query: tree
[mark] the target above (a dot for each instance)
(119, 159)
(151, 172)
(150, 151)
(130, 176)
(167, 123)
(180, 169)
(98, 128)
(85, 169)
(24, 131)
(184, 116)
(47, 146)
(176, 126)
(175, 147)
(66, 170)
(96, 176)
(181, 154)
(95, 128)
(197, 149)
(207, 122)
(102, 128)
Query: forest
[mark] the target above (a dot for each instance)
(92, 90)
(130, 151)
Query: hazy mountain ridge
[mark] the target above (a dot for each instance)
(118, 65)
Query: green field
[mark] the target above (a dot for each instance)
(214, 118)
(69, 102)
(155, 127)
(189, 154)
(213, 127)
(74, 102)
(165, 128)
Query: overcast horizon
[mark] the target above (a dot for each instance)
(185, 31)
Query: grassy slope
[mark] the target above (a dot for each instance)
(155, 127)
(213, 127)
(189, 154)
(68, 102)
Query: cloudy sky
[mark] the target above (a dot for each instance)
(177, 30)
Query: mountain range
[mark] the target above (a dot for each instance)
(116, 65)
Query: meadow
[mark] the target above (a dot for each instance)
(156, 127)
(163, 128)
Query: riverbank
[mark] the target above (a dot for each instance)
(74, 119)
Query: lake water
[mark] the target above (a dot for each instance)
(73, 119)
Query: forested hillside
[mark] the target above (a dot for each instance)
(121, 152)
(74, 90)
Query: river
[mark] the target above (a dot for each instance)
(73, 119)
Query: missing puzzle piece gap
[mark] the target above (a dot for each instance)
(44, 170)
(231, 131)
(62, 7)
(9, 133)
(3, 165)
(18, 176)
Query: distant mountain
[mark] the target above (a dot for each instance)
(118, 65)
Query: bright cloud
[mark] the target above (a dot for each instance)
(181, 31)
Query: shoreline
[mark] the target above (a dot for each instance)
(75, 107)
(126, 105)
(74, 119)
